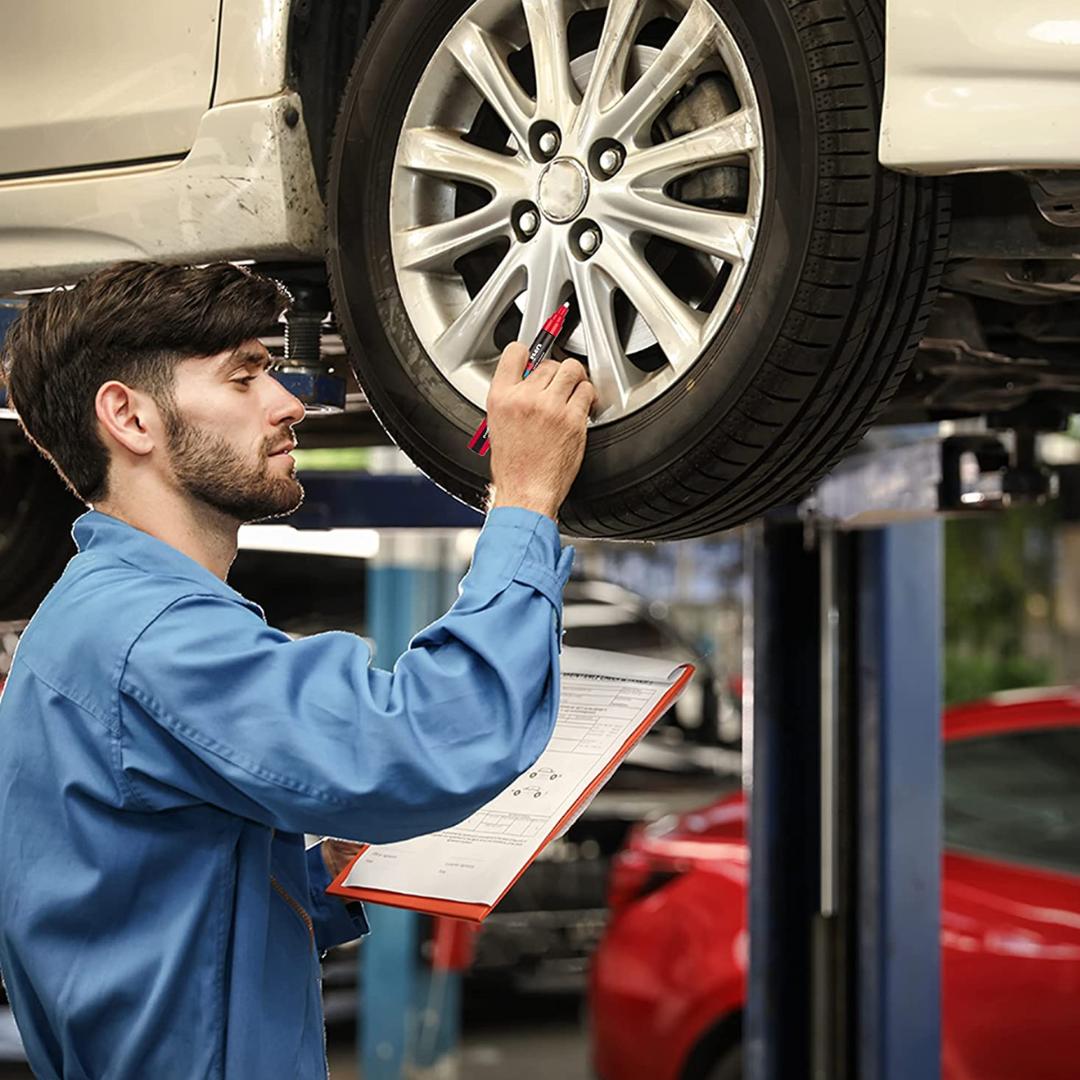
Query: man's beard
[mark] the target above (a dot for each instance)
(212, 471)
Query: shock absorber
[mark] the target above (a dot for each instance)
(303, 371)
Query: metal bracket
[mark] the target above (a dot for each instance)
(1057, 195)
(928, 476)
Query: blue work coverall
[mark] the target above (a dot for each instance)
(162, 751)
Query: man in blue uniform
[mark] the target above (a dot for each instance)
(162, 750)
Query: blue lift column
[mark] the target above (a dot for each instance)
(900, 797)
(405, 592)
(845, 836)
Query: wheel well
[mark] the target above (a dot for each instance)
(724, 1035)
(324, 37)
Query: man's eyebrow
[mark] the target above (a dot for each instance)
(244, 356)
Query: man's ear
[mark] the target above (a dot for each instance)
(128, 416)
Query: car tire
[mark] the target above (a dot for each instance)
(36, 512)
(847, 257)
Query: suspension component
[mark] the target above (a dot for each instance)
(303, 371)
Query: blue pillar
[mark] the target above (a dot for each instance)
(783, 798)
(845, 804)
(389, 970)
(405, 1023)
(900, 644)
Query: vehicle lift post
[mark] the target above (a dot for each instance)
(842, 748)
(399, 1022)
(845, 772)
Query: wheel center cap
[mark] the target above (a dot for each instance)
(563, 190)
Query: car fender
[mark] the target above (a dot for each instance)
(247, 187)
(981, 85)
(252, 50)
(713, 987)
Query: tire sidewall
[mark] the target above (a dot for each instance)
(414, 401)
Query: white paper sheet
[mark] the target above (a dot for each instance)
(617, 665)
(604, 698)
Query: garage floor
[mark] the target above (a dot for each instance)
(528, 1037)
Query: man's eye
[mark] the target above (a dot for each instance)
(246, 380)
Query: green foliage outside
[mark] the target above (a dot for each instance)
(332, 458)
(997, 567)
(968, 678)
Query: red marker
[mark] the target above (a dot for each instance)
(480, 443)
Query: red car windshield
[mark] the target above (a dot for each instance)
(1016, 796)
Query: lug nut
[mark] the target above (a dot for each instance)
(548, 143)
(529, 222)
(589, 241)
(610, 160)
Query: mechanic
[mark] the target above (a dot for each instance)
(163, 751)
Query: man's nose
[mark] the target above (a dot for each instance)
(286, 407)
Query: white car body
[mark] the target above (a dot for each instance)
(148, 130)
(979, 85)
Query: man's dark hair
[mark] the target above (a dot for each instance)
(131, 322)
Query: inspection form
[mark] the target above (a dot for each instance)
(607, 702)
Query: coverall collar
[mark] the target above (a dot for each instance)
(95, 530)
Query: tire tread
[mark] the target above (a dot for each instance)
(779, 421)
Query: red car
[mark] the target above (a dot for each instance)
(668, 981)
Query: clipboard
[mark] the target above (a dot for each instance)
(599, 691)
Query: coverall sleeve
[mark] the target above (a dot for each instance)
(305, 736)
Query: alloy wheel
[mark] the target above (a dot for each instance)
(555, 148)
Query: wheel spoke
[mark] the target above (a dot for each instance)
(437, 247)
(548, 276)
(656, 166)
(556, 94)
(443, 153)
(607, 363)
(676, 326)
(715, 232)
(470, 336)
(609, 67)
(476, 51)
(676, 62)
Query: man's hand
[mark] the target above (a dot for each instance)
(537, 430)
(337, 854)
